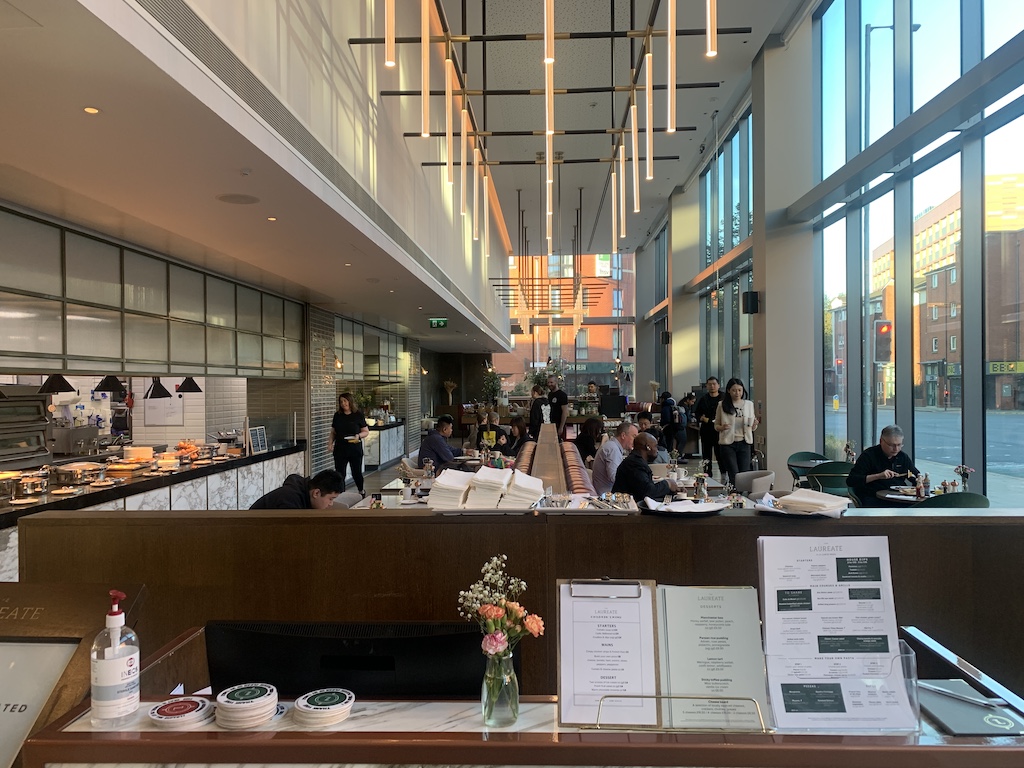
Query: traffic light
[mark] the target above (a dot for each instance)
(839, 366)
(883, 341)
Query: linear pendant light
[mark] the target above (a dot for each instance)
(636, 156)
(712, 31)
(549, 159)
(476, 193)
(425, 67)
(487, 215)
(462, 159)
(389, 33)
(549, 31)
(622, 189)
(549, 98)
(670, 86)
(615, 215)
(648, 64)
(448, 71)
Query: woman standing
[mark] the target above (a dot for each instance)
(735, 422)
(706, 409)
(536, 414)
(347, 432)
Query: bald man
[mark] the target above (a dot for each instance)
(634, 475)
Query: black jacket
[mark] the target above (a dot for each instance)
(872, 461)
(634, 477)
(294, 494)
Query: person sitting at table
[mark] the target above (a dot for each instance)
(298, 492)
(645, 421)
(492, 431)
(435, 445)
(634, 475)
(880, 467)
(517, 435)
(611, 454)
(589, 438)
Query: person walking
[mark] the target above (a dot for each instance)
(735, 423)
(707, 407)
(348, 429)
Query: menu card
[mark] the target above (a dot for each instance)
(830, 634)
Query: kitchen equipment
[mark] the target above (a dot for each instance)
(74, 441)
(78, 473)
(8, 484)
(32, 484)
(24, 421)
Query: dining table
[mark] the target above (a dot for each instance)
(661, 472)
(807, 463)
(901, 497)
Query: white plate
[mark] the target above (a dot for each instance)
(23, 501)
(103, 483)
(66, 491)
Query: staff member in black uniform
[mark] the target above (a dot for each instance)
(706, 409)
(347, 432)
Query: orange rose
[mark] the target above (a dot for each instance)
(534, 624)
(491, 612)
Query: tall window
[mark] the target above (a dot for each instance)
(582, 349)
(661, 266)
(616, 303)
(555, 344)
(617, 344)
(554, 265)
(616, 266)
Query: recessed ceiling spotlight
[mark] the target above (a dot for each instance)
(237, 199)
(271, 218)
(348, 263)
(392, 290)
(91, 110)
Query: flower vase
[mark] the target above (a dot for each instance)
(499, 693)
(963, 485)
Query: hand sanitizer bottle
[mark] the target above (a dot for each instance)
(114, 666)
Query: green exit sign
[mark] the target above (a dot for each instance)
(439, 322)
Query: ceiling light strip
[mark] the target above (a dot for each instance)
(425, 68)
(549, 160)
(448, 74)
(549, 98)
(549, 31)
(389, 33)
(622, 189)
(712, 28)
(615, 217)
(487, 215)
(636, 157)
(648, 66)
(462, 159)
(670, 85)
(476, 192)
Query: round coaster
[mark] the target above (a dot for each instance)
(182, 713)
(248, 695)
(325, 700)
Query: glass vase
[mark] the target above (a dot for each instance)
(499, 693)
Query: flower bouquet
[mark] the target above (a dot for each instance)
(964, 472)
(491, 603)
(449, 387)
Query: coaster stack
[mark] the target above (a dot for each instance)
(246, 706)
(182, 714)
(323, 708)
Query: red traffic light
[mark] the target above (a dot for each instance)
(883, 328)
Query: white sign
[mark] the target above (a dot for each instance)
(28, 673)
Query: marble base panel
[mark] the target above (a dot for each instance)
(157, 499)
(274, 473)
(222, 490)
(107, 506)
(250, 485)
(295, 464)
(190, 494)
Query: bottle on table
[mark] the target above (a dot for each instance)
(114, 670)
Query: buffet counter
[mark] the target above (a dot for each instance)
(385, 445)
(234, 483)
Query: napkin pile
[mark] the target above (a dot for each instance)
(486, 487)
(683, 506)
(804, 501)
(523, 491)
(450, 489)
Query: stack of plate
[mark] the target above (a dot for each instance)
(246, 706)
(182, 714)
(323, 708)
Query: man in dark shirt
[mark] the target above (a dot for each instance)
(634, 474)
(880, 467)
(559, 402)
(435, 445)
(300, 492)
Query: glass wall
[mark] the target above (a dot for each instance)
(833, 88)
(834, 348)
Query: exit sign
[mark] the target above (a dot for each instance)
(439, 322)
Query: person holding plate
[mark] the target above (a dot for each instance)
(348, 428)
(735, 423)
(880, 467)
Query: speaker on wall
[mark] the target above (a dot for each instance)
(666, 337)
(750, 303)
(630, 353)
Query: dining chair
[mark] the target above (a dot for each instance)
(800, 473)
(411, 469)
(966, 500)
(756, 482)
(830, 477)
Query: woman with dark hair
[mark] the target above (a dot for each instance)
(589, 438)
(517, 435)
(536, 414)
(735, 423)
(348, 428)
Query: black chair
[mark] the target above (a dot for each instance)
(800, 473)
(830, 477)
(966, 500)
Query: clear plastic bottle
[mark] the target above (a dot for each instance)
(114, 668)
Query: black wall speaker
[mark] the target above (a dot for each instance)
(666, 337)
(630, 353)
(750, 302)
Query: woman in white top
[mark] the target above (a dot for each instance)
(735, 423)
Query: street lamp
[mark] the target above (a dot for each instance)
(868, 29)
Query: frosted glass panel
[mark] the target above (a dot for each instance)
(188, 343)
(95, 330)
(293, 325)
(250, 350)
(273, 353)
(220, 346)
(29, 255)
(145, 338)
(220, 302)
(249, 312)
(93, 270)
(187, 294)
(30, 364)
(273, 315)
(145, 283)
(293, 355)
(30, 324)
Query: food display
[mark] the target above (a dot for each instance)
(187, 451)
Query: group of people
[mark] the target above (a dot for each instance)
(623, 464)
(727, 423)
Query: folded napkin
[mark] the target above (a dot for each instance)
(522, 492)
(804, 501)
(683, 506)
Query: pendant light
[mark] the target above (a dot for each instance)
(55, 384)
(636, 155)
(389, 33)
(110, 383)
(712, 30)
(670, 86)
(156, 391)
(648, 65)
(622, 189)
(425, 68)
(448, 74)
(189, 386)
(462, 157)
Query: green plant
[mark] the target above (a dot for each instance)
(491, 387)
(364, 400)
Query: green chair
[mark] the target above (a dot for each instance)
(830, 477)
(800, 473)
(966, 500)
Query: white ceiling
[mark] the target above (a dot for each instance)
(148, 170)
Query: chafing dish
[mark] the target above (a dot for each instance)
(32, 483)
(8, 484)
(78, 473)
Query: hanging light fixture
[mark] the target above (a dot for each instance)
(712, 30)
(549, 31)
(189, 386)
(648, 66)
(55, 384)
(615, 215)
(549, 99)
(670, 86)
(549, 159)
(622, 189)
(487, 215)
(476, 192)
(448, 74)
(462, 158)
(156, 391)
(110, 383)
(389, 33)
(425, 67)
(636, 155)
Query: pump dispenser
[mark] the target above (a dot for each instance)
(115, 670)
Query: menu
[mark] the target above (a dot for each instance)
(607, 650)
(830, 634)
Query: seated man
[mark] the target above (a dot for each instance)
(880, 467)
(645, 420)
(611, 455)
(300, 492)
(634, 474)
(435, 445)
